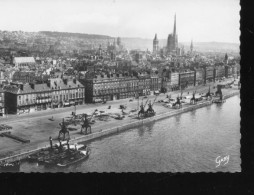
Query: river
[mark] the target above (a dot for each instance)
(191, 142)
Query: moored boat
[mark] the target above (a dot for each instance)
(10, 166)
(75, 158)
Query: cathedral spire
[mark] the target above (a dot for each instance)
(155, 38)
(174, 31)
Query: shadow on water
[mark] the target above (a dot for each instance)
(208, 108)
(219, 107)
(146, 127)
(178, 118)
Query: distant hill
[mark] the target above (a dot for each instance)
(73, 35)
(43, 40)
(143, 44)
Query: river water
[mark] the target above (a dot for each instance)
(191, 142)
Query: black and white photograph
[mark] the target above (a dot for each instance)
(120, 86)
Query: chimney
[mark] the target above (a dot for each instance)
(74, 81)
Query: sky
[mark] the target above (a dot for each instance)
(200, 20)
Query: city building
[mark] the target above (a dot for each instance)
(114, 86)
(2, 102)
(208, 74)
(165, 81)
(199, 76)
(24, 63)
(2, 77)
(108, 86)
(174, 80)
(219, 72)
(23, 76)
(234, 71)
(228, 71)
(144, 84)
(186, 79)
(155, 45)
(32, 97)
(155, 85)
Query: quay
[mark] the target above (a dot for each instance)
(109, 128)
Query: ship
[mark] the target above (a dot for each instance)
(74, 158)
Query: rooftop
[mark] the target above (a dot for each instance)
(24, 60)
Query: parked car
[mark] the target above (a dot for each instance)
(130, 100)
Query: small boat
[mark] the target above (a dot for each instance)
(10, 166)
(80, 155)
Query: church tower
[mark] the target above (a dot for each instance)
(226, 58)
(191, 47)
(155, 44)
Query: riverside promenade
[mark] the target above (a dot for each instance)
(38, 128)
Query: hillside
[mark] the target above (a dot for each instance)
(73, 35)
(44, 40)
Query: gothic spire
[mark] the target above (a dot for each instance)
(155, 38)
(174, 32)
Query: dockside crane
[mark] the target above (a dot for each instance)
(86, 123)
(63, 133)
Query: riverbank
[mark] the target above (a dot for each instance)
(111, 127)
